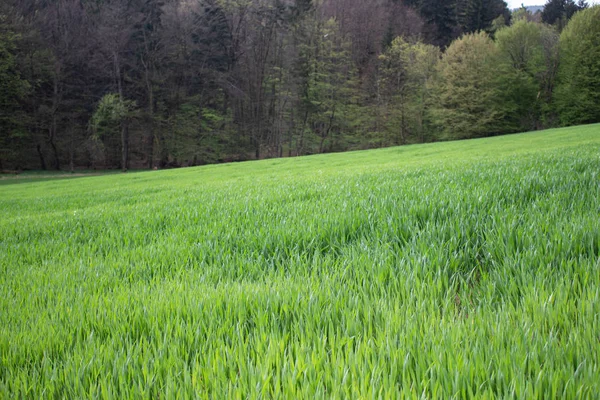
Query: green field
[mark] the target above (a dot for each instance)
(461, 269)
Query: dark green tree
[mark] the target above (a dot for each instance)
(479, 15)
(12, 90)
(559, 12)
(440, 17)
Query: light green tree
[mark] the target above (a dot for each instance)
(578, 93)
(404, 86)
(112, 116)
(469, 102)
(422, 71)
(394, 90)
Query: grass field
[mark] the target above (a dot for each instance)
(461, 269)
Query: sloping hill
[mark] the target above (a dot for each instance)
(531, 9)
(428, 270)
(534, 9)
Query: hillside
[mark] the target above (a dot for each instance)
(466, 268)
(531, 9)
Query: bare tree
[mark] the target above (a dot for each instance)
(115, 26)
(63, 25)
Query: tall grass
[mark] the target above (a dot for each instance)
(466, 269)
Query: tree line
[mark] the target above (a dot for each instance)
(167, 83)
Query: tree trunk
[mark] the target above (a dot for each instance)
(124, 146)
(149, 72)
(151, 122)
(151, 150)
(402, 122)
(53, 126)
(257, 148)
(300, 142)
(291, 129)
(72, 160)
(53, 145)
(325, 134)
(151, 130)
(71, 150)
(125, 123)
(41, 155)
(164, 155)
(323, 137)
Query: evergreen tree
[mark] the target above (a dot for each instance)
(329, 94)
(12, 90)
(559, 12)
(479, 15)
(440, 16)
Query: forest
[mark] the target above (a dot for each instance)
(146, 84)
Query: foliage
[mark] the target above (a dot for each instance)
(110, 114)
(469, 95)
(578, 95)
(559, 12)
(110, 125)
(193, 134)
(482, 15)
(222, 80)
(407, 71)
(329, 88)
(529, 60)
(13, 88)
(445, 270)
(441, 18)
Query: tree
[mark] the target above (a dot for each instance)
(396, 89)
(146, 40)
(528, 67)
(405, 77)
(197, 53)
(253, 70)
(578, 92)
(469, 98)
(329, 89)
(523, 13)
(440, 17)
(60, 70)
(116, 22)
(203, 81)
(370, 26)
(480, 15)
(113, 112)
(423, 71)
(559, 12)
(12, 90)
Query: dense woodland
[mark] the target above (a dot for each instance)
(98, 84)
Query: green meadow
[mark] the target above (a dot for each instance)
(466, 269)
